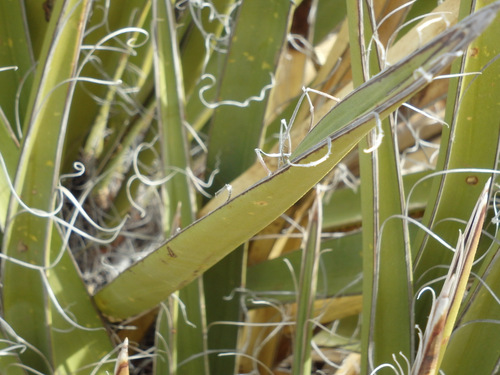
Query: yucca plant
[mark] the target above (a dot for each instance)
(249, 186)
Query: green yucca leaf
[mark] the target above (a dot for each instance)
(181, 259)
(29, 294)
(302, 363)
(179, 210)
(387, 285)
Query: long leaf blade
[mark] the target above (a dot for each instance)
(180, 259)
(35, 303)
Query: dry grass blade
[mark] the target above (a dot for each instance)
(445, 308)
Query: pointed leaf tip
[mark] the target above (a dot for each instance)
(122, 367)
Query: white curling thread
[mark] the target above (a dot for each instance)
(104, 20)
(420, 72)
(196, 137)
(228, 188)
(63, 192)
(182, 307)
(319, 161)
(58, 307)
(382, 366)
(285, 141)
(198, 183)
(242, 104)
(440, 18)
(379, 134)
(426, 114)
(212, 43)
(23, 344)
(395, 34)
(5, 68)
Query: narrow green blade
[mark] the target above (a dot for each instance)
(178, 194)
(17, 60)
(302, 363)
(387, 291)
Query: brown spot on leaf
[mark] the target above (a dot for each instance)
(261, 203)
(471, 180)
(47, 6)
(22, 247)
(171, 253)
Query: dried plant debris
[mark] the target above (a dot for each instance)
(445, 307)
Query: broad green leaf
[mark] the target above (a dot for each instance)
(181, 259)
(219, 282)
(31, 237)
